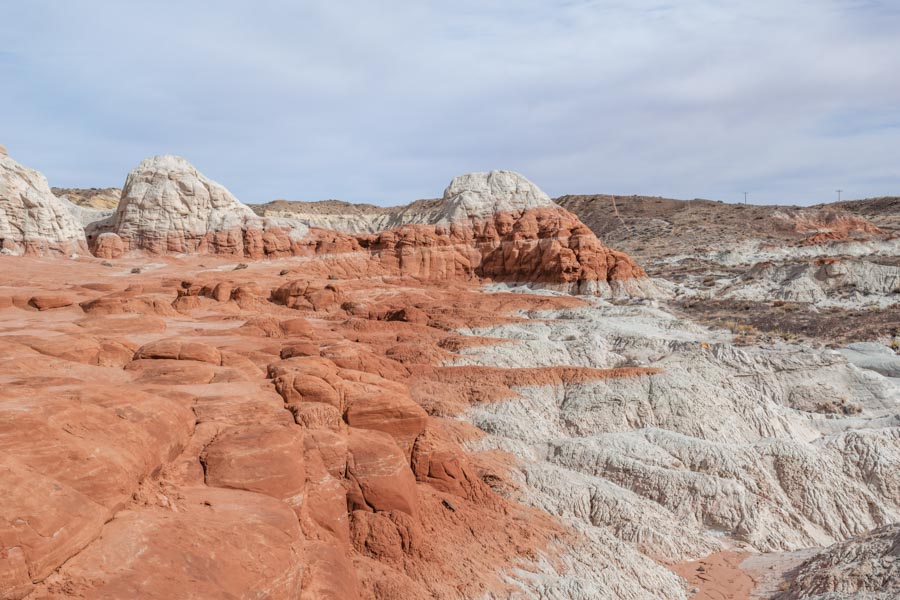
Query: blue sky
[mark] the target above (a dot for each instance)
(386, 101)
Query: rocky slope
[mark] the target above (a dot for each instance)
(883, 212)
(827, 273)
(32, 219)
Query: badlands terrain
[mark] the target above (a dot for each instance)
(487, 395)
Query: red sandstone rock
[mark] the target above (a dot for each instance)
(328, 574)
(42, 524)
(267, 459)
(82, 349)
(219, 543)
(308, 379)
(116, 304)
(379, 474)
(308, 295)
(824, 237)
(96, 440)
(538, 246)
(325, 505)
(383, 406)
(408, 314)
(316, 415)
(46, 302)
(442, 464)
(177, 350)
(386, 536)
(108, 245)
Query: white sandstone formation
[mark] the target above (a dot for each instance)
(751, 252)
(168, 206)
(476, 196)
(481, 195)
(848, 283)
(32, 219)
(875, 357)
(763, 448)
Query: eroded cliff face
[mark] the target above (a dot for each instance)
(32, 219)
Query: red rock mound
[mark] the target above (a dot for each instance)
(545, 246)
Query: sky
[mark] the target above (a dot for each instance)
(385, 102)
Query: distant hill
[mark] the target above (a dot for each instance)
(103, 198)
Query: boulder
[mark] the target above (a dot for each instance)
(109, 245)
(309, 295)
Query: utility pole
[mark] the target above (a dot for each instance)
(745, 197)
(839, 194)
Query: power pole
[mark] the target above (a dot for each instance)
(745, 197)
(839, 194)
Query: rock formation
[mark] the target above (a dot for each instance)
(495, 226)
(500, 226)
(32, 219)
(168, 207)
(85, 214)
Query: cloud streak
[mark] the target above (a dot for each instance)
(385, 102)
